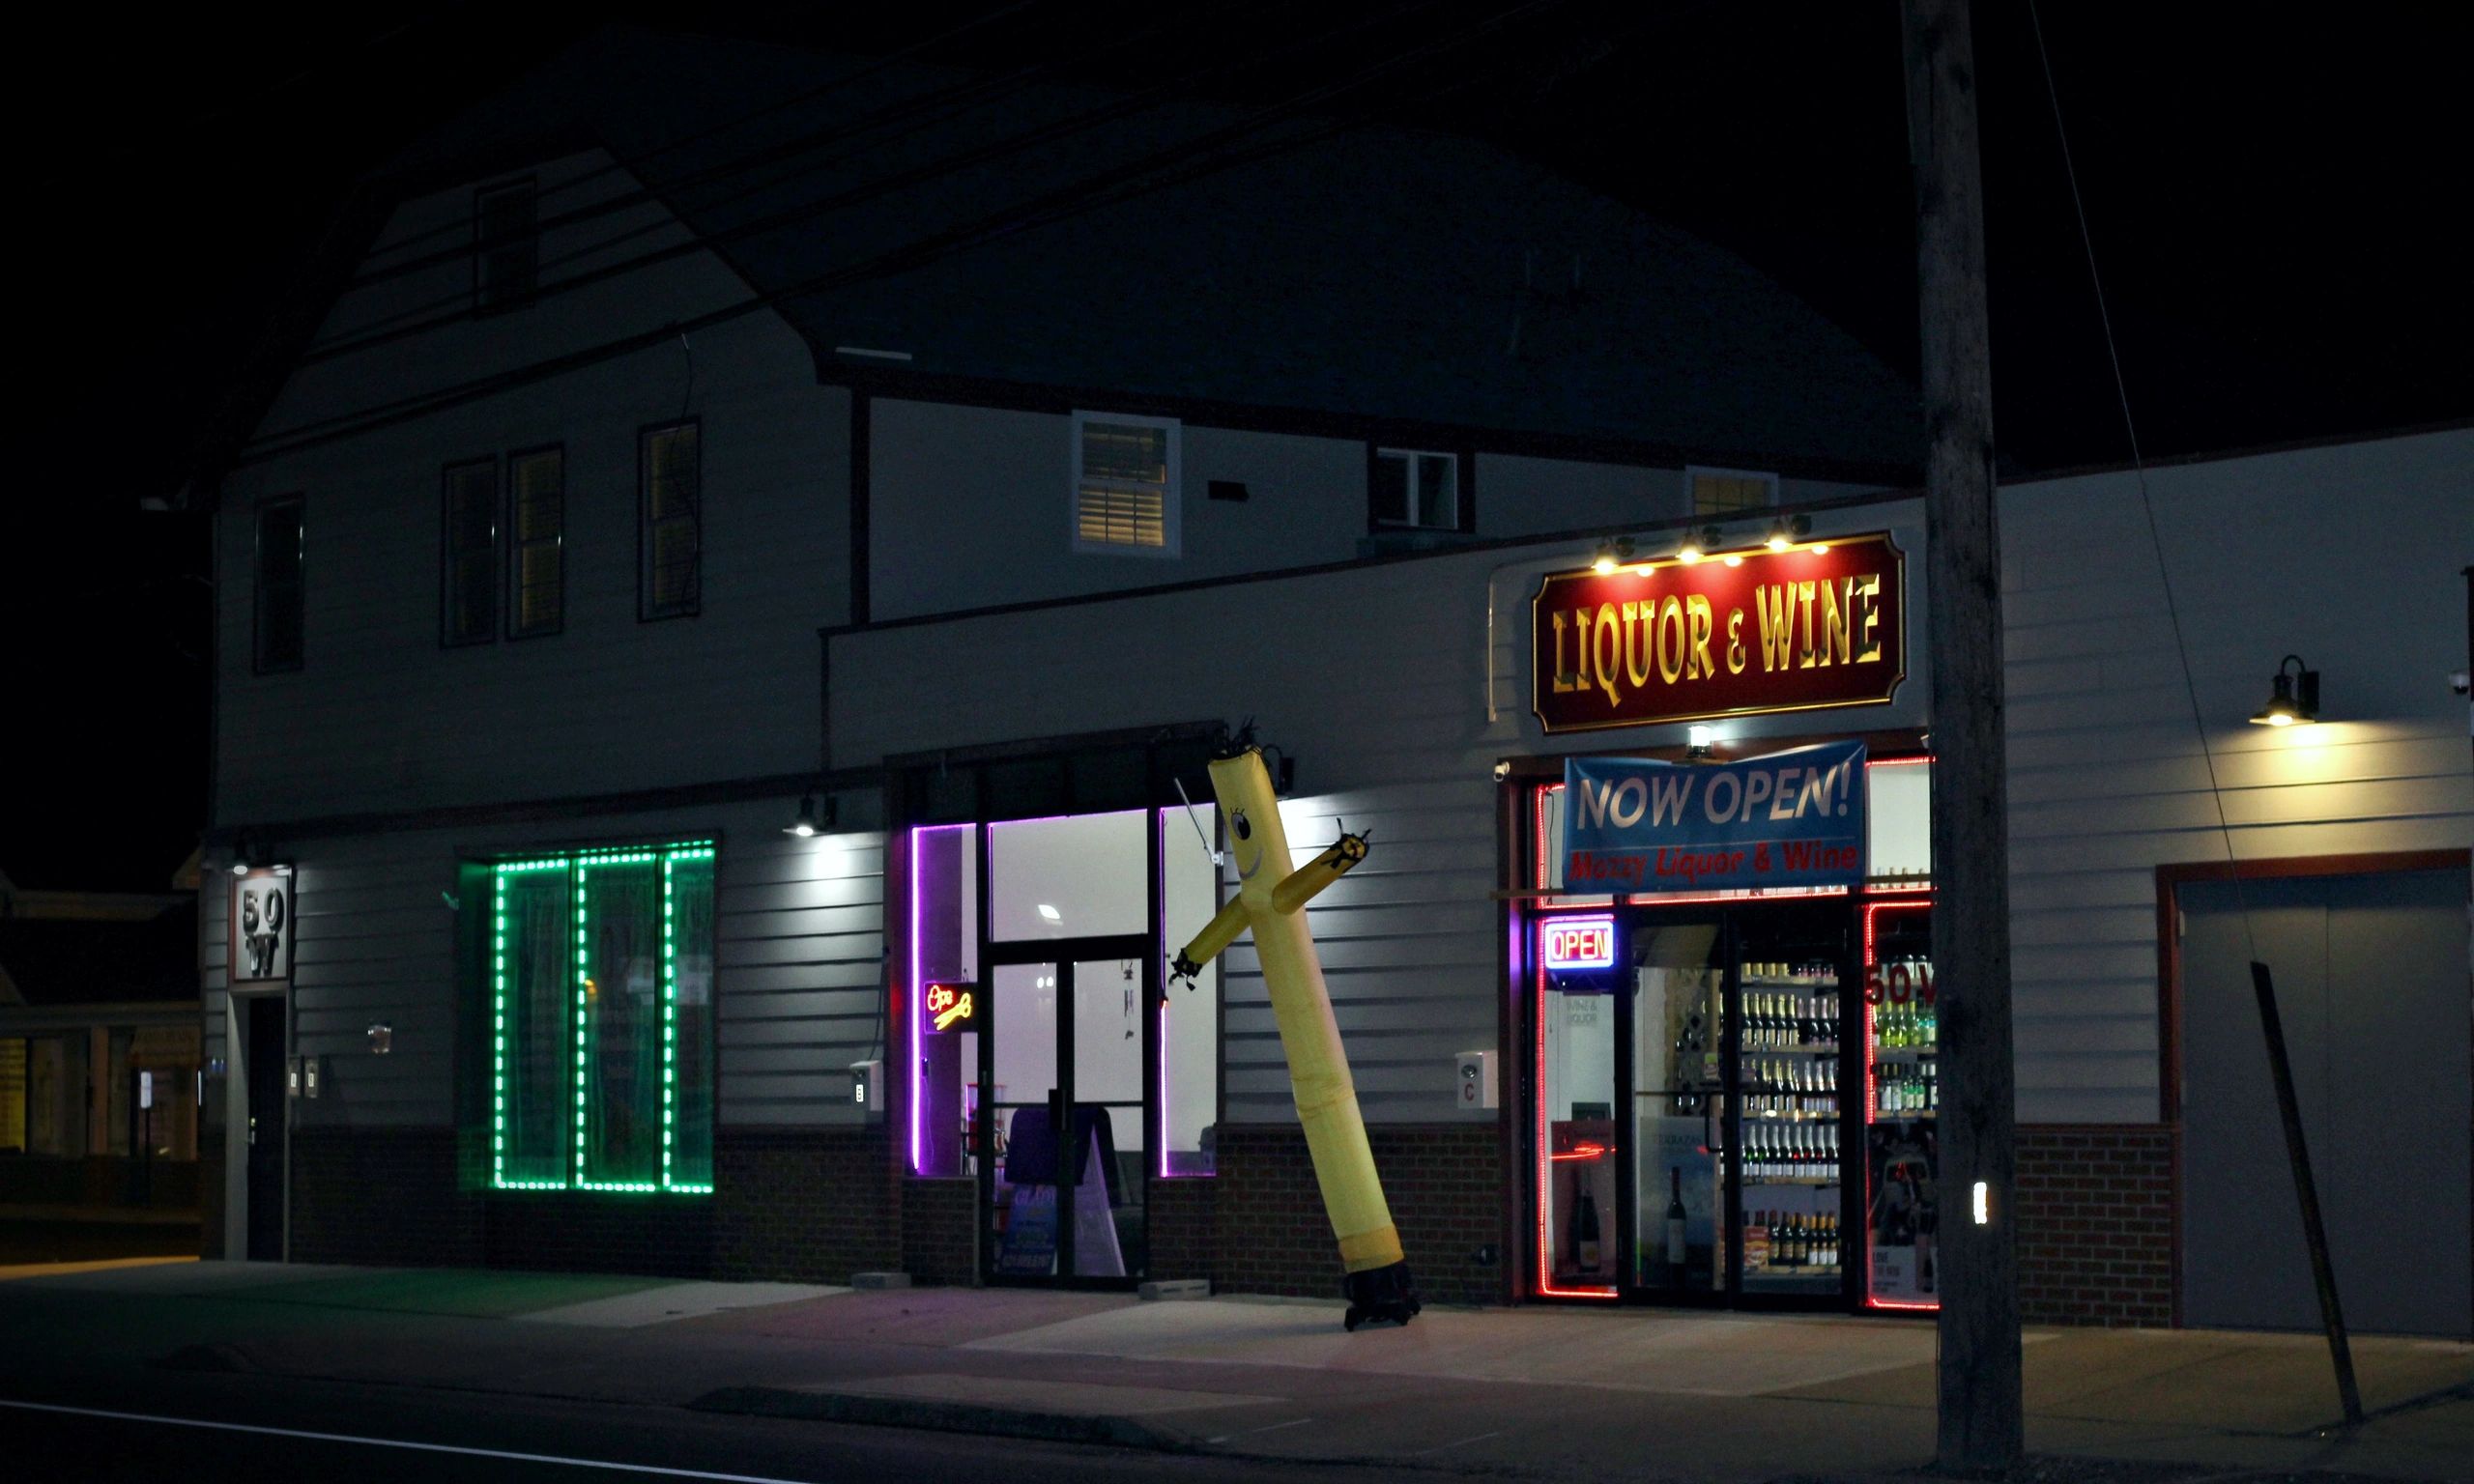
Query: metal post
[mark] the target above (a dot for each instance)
(2323, 1273)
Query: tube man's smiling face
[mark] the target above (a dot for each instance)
(1248, 849)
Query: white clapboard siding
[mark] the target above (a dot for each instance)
(798, 982)
(2348, 555)
(381, 717)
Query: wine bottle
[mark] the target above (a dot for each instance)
(1675, 1224)
(1585, 1231)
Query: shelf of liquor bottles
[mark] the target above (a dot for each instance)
(1792, 1164)
(1903, 1041)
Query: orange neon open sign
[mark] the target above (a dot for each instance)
(951, 1006)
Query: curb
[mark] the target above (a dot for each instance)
(940, 1417)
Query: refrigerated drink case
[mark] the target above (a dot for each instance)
(1789, 1161)
(1902, 1061)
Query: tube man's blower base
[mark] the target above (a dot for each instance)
(1272, 909)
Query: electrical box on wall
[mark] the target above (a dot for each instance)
(868, 1086)
(1475, 1089)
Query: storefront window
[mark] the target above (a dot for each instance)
(13, 1096)
(1577, 1237)
(1189, 1015)
(602, 1020)
(1898, 824)
(944, 1097)
(1078, 876)
(55, 1095)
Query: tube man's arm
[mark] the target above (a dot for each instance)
(1217, 934)
(1317, 874)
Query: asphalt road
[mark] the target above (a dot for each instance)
(257, 1429)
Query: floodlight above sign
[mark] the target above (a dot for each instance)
(953, 1008)
(1577, 942)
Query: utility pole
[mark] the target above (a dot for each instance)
(1981, 1428)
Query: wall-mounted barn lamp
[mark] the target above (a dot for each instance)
(2295, 700)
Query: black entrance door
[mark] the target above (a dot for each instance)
(264, 1072)
(1063, 1141)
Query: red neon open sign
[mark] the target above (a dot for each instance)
(1578, 942)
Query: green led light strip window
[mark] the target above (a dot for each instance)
(601, 990)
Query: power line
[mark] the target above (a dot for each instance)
(2138, 468)
(1159, 168)
(452, 308)
(882, 64)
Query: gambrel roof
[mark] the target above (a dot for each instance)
(1362, 272)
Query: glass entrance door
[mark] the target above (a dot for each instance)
(1678, 1107)
(1062, 1139)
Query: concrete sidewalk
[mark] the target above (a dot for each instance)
(1534, 1392)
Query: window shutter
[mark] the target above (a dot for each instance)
(673, 520)
(1122, 497)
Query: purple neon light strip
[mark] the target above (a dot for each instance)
(918, 993)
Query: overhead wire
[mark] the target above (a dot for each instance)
(1173, 164)
(2139, 468)
(918, 111)
(870, 69)
(451, 307)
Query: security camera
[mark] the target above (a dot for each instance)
(2459, 682)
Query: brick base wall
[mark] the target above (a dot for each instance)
(388, 1196)
(2095, 1208)
(1445, 1183)
(940, 1230)
(1182, 1214)
(803, 1205)
(99, 1180)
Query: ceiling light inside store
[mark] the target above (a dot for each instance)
(1051, 913)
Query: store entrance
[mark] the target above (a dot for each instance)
(1692, 1137)
(1062, 1145)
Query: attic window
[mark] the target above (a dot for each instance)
(507, 245)
(1725, 492)
(1124, 485)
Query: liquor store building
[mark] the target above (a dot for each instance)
(1679, 1089)
(930, 1027)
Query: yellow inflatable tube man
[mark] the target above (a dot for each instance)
(1271, 905)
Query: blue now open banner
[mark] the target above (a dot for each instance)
(1792, 818)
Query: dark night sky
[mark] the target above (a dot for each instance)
(2272, 203)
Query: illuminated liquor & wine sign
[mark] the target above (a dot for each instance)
(1820, 624)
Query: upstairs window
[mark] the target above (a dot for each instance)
(507, 245)
(468, 584)
(1415, 488)
(1124, 485)
(1726, 492)
(536, 520)
(670, 462)
(276, 618)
